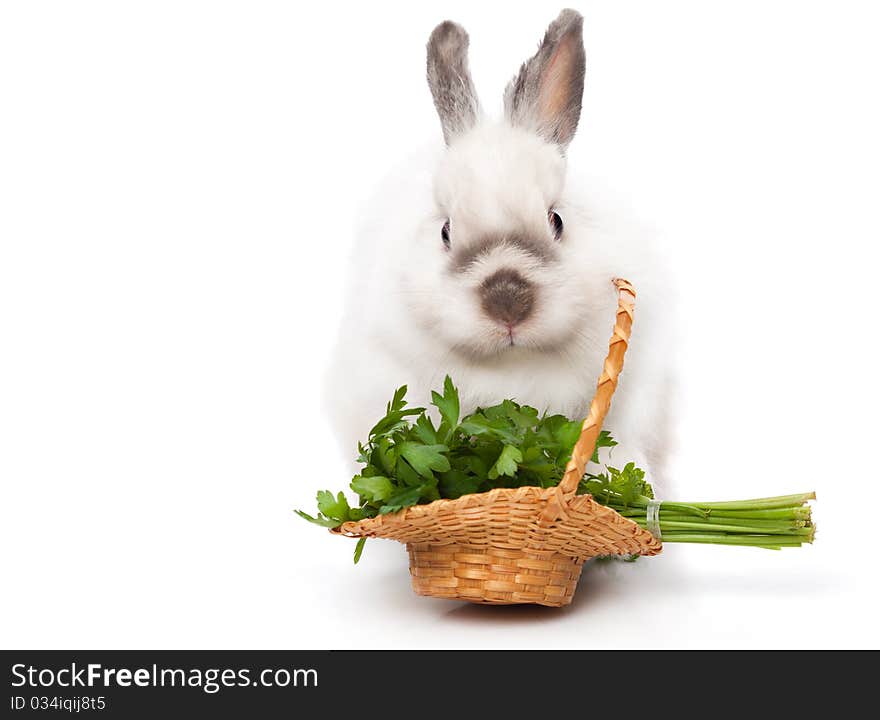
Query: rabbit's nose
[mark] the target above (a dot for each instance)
(507, 297)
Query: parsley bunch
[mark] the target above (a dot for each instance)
(408, 460)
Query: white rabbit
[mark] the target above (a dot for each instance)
(480, 260)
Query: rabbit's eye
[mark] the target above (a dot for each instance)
(555, 224)
(444, 233)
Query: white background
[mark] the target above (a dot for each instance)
(178, 186)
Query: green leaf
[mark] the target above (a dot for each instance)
(374, 489)
(545, 472)
(393, 421)
(604, 440)
(320, 520)
(566, 435)
(395, 415)
(398, 402)
(522, 416)
(406, 474)
(336, 508)
(425, 458)
(403, 499)
(360, 513)
(424, 430)
(506, 463)
(500, 427)
(359, 549)
(621, 486)
(386, 455)
(472, 464)
(630, 482)
(456, 483)
(448, 405)
(494, 412)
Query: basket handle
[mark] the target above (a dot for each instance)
(586, 443)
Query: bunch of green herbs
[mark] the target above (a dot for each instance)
(408, 459)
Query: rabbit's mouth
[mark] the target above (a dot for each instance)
(508, 335)
(506, 342)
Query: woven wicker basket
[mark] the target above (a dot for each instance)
(519, 545)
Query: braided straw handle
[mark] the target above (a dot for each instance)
(586, 443)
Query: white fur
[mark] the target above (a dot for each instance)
(411, 320)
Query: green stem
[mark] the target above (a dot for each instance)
(781, 501)
(764, 525)
(801, 512)
(765, 541)
(683, 508)
(760, 524)
(736, 529)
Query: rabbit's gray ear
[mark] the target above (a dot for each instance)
(450, 80)
(546, 95)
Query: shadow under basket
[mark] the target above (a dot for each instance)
(519, 545)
